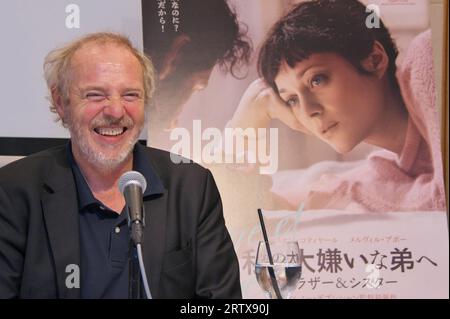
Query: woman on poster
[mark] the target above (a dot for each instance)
(327, 72)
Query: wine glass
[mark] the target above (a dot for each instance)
(278, 277)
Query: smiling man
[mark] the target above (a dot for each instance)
(61, 209)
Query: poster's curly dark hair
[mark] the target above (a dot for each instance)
(319, 26)
(216, 36)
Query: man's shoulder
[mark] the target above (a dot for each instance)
(32, 166)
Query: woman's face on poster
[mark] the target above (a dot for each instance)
(332, 99)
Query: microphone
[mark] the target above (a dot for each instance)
(132, 185)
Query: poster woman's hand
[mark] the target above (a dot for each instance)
(259, 105)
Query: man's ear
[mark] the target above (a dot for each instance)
(58, 102)
(172, 57)
(377, 62)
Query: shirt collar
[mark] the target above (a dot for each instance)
(141, 163)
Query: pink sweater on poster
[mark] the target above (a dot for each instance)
(388, 182)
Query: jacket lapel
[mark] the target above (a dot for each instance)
(59, 203)
(154, 238)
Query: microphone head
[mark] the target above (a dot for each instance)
(132, 177)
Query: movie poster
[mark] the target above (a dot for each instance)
(324, 114)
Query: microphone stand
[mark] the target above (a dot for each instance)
(133, 193)
(134, 284)
(136, 236)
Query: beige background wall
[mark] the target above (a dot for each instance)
(439, 18)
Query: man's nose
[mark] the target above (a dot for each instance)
(114, 107)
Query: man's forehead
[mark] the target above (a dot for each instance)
(103, 53)
(97, 58)
(90, 66)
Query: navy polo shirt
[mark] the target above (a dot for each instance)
(104, 234)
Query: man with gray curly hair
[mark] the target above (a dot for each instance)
(63, 225)
(84, 76)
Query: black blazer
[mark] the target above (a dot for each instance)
(187, 253)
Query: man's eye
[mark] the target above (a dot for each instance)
(292, 101)
(317, 80)
(96, 97)
(130, 97)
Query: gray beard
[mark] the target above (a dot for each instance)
(100, 160)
